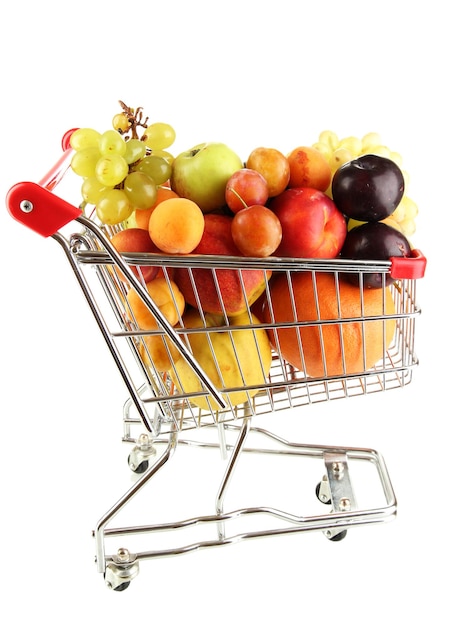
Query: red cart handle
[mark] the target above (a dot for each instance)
(39, 209)
(35, 206)
(412, 267)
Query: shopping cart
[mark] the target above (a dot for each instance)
(159, 411)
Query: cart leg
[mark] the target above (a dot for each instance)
(141, 482)
(244, 430)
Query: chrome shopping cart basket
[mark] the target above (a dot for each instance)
(161, 406)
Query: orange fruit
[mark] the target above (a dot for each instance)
(342, 343)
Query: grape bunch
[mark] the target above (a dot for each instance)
(123, 167)
(339, 151)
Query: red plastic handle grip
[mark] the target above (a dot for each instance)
(412, 267)
(39, 209)
(34, 206)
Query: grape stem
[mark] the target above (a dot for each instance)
(134, 117)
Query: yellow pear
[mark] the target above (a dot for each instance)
(233, 358)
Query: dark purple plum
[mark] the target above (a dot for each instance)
(368, 188)
(374, 241)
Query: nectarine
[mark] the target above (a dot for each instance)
(312, 226)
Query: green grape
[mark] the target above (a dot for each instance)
(84, 138)
(379, 150)
(113, 207)
(156, 167)
(371, 139)
(159, 136)
(111, 142)
(339, 157)
(111, 169)
(397, 158)
(92, 190)
(324, 148)
(135, 150)
(84, 161)
(352, 144)
(329, 138)
(140, 189)
(167, 156)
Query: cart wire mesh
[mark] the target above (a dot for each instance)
(157, 395)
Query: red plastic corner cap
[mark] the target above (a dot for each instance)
(411, 267)
(39, 209)
(66, 139)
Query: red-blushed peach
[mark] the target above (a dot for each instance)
(136, 240)
(220, 291)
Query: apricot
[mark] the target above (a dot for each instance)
(165, 294)
(176, 225)
(159, 352)
(309, 168)
(142, 216)
(273, 165)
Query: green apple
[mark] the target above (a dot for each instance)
(201, 174)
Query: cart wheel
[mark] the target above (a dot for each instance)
(338, 537)
(121, 570)
(122, 586)
(322, 497)
(140, 468)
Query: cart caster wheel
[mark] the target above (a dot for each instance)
(338, 537)
(140, 468)
(140, 456)
(121, 570)
(322, 493)
(121, 587)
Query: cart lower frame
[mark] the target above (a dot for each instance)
(335, 489)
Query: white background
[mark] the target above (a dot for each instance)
(248, 74)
